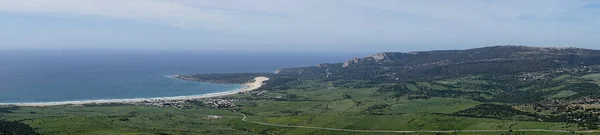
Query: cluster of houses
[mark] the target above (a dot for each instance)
(166, 103)
(187, 104)
(220, 103)
(563, 102)
(533, 76)
(541, 75)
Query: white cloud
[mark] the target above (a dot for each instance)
(173, 13)
(353, 21)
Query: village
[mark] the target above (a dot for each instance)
(188, 104)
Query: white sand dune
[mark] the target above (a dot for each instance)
(258, 82)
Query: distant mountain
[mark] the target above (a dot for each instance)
(428, 65)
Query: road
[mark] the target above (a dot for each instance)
(418, 131)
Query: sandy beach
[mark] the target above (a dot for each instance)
(258, 82)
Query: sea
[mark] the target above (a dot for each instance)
(34, 76)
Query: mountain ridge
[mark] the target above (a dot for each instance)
(393, 66)
(383, 56)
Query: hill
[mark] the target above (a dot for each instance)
(537, 83)
(431, 65)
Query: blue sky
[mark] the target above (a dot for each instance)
(297, 25)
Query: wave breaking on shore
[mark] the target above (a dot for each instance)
(257, 83)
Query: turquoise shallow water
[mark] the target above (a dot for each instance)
(76, 75)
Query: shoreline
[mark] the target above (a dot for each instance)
(258, 82)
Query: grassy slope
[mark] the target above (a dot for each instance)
(123, 120)
(322, 106)
(419, 114)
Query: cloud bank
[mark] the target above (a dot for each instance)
(352, 22)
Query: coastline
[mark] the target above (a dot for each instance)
(258, 82)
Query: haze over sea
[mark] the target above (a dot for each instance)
(76, 75)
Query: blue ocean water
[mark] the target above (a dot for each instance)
(75, 75)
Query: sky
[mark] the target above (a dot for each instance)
(297, 25)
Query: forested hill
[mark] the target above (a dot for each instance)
(433, 65)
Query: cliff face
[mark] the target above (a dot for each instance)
(376, 58)
(436, 64)
(353, 61)
(379, 58)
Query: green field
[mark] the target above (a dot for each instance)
(122, 119)
(318, 108)
(446, 105)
